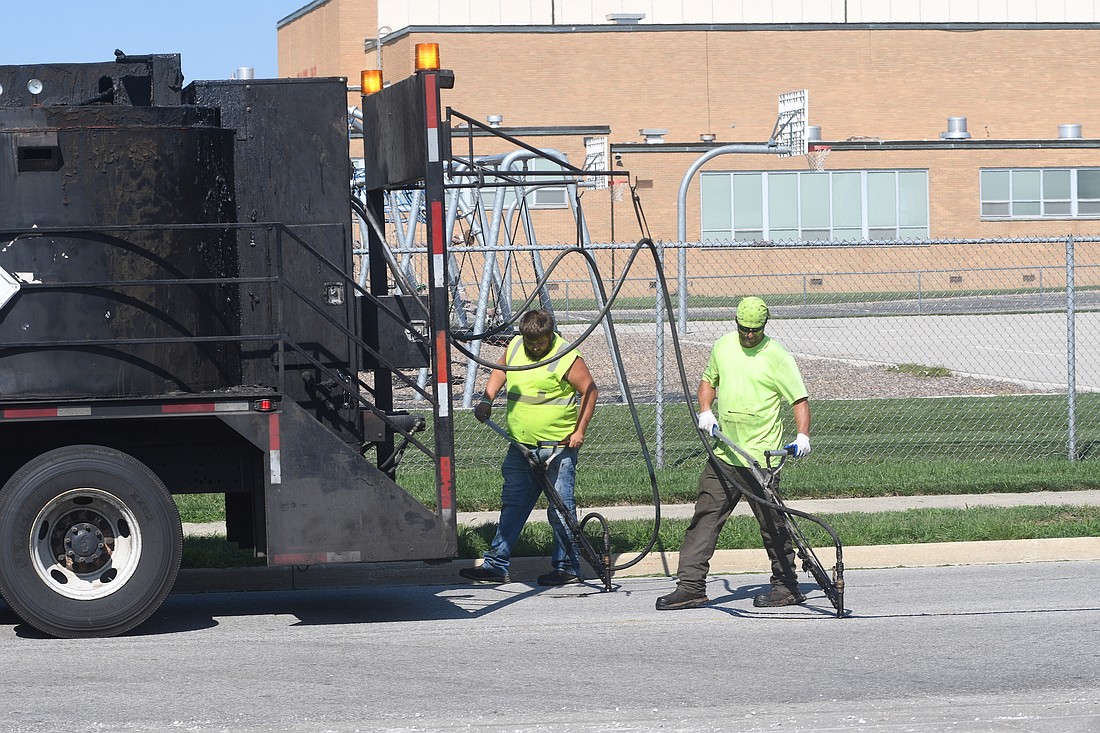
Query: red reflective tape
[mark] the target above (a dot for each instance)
(273, 432)
(18, 412)
(177, 408)
(300, 558)
(446, 488)
(442, 367)
(436, 214)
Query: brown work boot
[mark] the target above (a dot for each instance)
(681, 598)
(779, 595)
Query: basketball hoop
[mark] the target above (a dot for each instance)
(816, 155)
(619, 189)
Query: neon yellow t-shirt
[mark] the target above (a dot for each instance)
(541, 404)
(750, 384)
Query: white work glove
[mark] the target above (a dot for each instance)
(801, 445)
(708, 423)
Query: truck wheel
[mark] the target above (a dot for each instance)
(90, 542)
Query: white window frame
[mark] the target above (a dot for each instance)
(865, 229)
(1074, 199)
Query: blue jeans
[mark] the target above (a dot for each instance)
(522, 488)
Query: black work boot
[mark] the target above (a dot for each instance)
(681, 598)
(558, 577)
(484, 575)
(779, 595)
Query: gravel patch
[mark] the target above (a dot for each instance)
(832, 379)
(828, 379)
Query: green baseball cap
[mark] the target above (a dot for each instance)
(752, 312)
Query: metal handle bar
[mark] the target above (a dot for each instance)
(600, 562)
(834, 589)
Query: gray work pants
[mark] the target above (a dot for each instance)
(712, 508)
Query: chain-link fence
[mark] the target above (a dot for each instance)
(910, 349)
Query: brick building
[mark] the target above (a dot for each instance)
(954, 118)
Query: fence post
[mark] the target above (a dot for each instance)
(659, 361)
(1071, 352)
(919, 294)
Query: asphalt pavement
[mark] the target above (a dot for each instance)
(525, 569)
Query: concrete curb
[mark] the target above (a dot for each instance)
(526, 569)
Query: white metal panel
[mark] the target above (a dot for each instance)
(934, 9)
(964, 11)
(9, 286)
(758, 12)
(399, 14)
(1024, 12)
(523, 13)
(992, 11)
(394, 14)
(1081, 11)
(821, 11)
(456, 12)
(675, 13)
(490, 10)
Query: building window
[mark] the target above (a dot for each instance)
(814, 205)
(1040, 193)
(541, 194)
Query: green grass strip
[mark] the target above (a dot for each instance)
(855, 529)
(742, 532)
(479, 487)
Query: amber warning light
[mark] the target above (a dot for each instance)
(370, 81)
(427, 57)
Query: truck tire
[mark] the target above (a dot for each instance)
(90, 542)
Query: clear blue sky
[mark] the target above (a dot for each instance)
(213, 37)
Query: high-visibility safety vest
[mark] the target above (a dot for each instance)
(750, 384)
(542, 406)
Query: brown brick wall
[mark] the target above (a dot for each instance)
(892, 84)
(328, 40)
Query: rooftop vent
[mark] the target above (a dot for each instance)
(956, 129)
(813, 133)
(708, 137)
(244, 72)
(653, 135)
(625, 18)
(494, 120)
(1071, 131)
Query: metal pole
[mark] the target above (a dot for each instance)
(681, 216)
(659, 364)
(440, 354)
(919, 302)
(1071, 352)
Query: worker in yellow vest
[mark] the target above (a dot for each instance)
(551, 403)
(749, 373)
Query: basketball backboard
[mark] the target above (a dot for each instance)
(790, 125)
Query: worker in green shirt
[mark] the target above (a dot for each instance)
(549, 408)
(749, 373)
